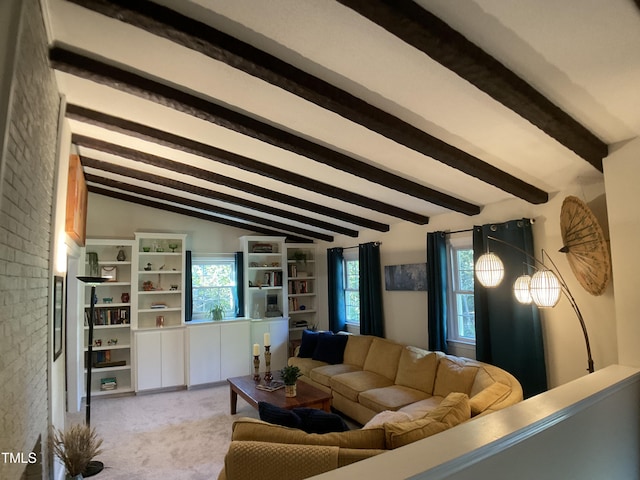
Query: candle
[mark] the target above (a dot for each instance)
(256, 349)
(267, 339)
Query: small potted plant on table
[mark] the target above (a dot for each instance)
(290, 375)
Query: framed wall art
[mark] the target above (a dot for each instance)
(58, 315)
(410, 277)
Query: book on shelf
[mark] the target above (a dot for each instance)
(270, 387)
(107, 316)
(108, 383)
(298, 286)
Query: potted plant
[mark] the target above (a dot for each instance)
(290, 375)
(300, 257)
(217, 312)
(76, 447)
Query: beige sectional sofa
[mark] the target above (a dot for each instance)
(378, 375)
(400, 394)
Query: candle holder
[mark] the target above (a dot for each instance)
(256, 368)
(267, 360)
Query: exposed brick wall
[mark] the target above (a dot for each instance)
(25, 234)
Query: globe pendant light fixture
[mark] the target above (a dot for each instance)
(544, 289)
(521, 289)
(489, 270)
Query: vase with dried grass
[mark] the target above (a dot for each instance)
(76, 447)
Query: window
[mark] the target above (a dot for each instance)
(461, 326)
(213, 280)
(352, 290)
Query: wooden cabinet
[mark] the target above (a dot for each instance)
(235, 352)
(218, 351)
(159, 358)
(203, 344)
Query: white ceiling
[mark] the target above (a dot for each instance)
(583, 56)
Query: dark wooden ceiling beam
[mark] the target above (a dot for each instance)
(414, 25)
(212, 153)
(212, 209)
(134, 84)
(195, 35)
(195, 148)
(184, 169)
(189, 213)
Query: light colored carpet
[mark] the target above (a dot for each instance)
(181, 435)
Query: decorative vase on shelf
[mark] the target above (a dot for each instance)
(121, 255)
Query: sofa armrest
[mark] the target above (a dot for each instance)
(275, 461)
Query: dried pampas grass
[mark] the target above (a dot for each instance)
(76, 447)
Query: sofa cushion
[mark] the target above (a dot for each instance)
(250, 429)
(453, 410)
(306, 365)
(390, 398)
(355, 353)
(278, 416)
(422, 408)
(351, 384)
(383, 357)
(401, 434)
(487, 397)
(323, 374)
(387, 416)
(313, 420)
(309, 342)
(417, 369)
(454, 375)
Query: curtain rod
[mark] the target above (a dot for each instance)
(459, 231)
(531, 220)
(356, 246)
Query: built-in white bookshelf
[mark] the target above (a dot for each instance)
(111, 358)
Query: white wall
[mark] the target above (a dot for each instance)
(405, 312)
(110, 218)
(622, 171)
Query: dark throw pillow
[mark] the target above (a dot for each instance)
(330, 348)
(309, 342)
(313, 420)
(278, 416)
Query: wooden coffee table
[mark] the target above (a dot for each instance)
(307, 395)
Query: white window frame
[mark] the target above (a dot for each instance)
(455, 243)
(350, 257)
(211, 259)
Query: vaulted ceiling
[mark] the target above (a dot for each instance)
(312, 118)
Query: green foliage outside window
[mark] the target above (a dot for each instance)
(213, 284)
(352, 291)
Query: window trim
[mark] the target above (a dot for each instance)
(214, 258)
(350, 257)
(455, 243)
